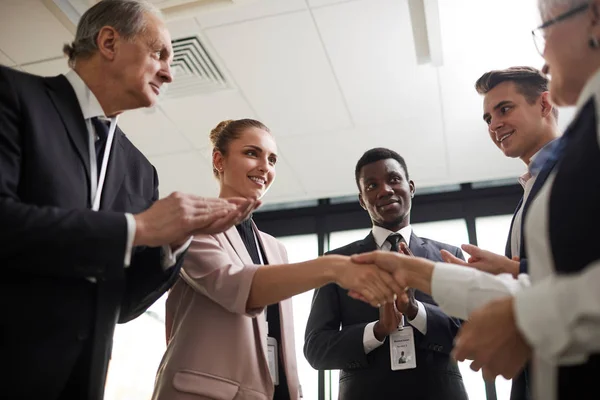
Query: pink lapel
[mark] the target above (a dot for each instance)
(235, 240)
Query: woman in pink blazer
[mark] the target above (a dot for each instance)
(223, 340)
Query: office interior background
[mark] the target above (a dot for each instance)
(331, 78)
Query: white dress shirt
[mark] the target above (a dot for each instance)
(527, 180)
(90, 108)
(560, 314)
(370, 342)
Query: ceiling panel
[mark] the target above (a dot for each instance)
(196, 116)
(374, 60)
(4, 60)
(152, 132)
(41, 35)
(187, 172)
(321, 3)
(47, 68)
(325, 164)
(280, 66)
(248, 11)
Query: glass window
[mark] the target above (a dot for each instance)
(453, 232)
(138, 347)
(303, 248)
(492, 233)
(342, 238)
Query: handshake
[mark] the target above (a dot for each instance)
(382, 279)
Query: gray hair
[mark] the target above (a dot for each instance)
(127, 17)
(546, 5)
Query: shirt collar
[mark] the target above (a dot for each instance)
(90, 106)
(537, 161)
(381, 234)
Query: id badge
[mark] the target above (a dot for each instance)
(402, 349)
(273, 359)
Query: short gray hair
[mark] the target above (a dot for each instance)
(128, 17)
(546, 5)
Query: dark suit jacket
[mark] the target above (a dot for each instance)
(51, 241)
(369, 376)
(520, 386)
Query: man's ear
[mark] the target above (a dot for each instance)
(547, 106)
(107, 42)
(362, 203)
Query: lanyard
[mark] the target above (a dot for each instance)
(98, 177)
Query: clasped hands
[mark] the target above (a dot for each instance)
(378, 278)
(172, 220)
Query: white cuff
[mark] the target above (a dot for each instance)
(131, 227)
(170, 257)
(449, 288)
(420, 320)
(370, 342)
(460, 290)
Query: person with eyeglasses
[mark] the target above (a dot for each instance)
(556, 321)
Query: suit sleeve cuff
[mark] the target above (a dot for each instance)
(131, 227)
(420, 320)
(370, 342)
(170, 257)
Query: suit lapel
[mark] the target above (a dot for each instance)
(417, 246)
(235, 241)
(117, 165)
(368, 244)
(508, 248)
(537, 185)
(62, 95)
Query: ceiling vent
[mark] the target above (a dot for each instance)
(194, 70)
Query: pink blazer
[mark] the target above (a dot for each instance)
(216, 348)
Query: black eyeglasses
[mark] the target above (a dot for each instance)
(538, 33)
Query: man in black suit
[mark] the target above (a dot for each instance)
(522, 124)
(361, 347)
(85, 241)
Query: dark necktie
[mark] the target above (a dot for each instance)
(395, 239)
(247, 234)
(101, 127)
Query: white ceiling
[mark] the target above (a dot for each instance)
(331, 78)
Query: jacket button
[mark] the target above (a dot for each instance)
(82, 336)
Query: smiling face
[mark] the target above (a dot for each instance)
(517, 127)
(386, 193)
(248, 167)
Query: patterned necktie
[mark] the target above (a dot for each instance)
(395, 239)
(247, 234)
(101, 128)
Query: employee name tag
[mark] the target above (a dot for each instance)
(273, 359)
(402, 349)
